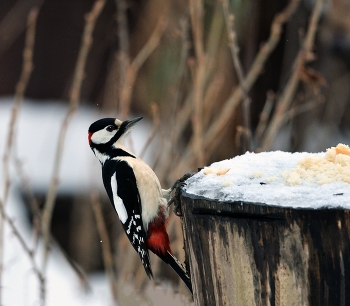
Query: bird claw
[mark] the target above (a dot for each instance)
(178, 185)
(181, 181)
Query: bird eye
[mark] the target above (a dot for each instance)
(110, 128)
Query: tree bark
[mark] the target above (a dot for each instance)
(255, 254)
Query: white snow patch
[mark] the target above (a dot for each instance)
(261, 178)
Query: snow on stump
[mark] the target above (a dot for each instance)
(270, 229)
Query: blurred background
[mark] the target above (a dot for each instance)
(212, 79)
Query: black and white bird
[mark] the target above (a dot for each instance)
(135, 193)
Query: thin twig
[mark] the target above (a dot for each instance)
(136, 64)
(74, 98)
(234, 48)
(254, 72)
(21, 86)
(288, 93)
(14, 23)
(123, 39)
(33, 202)
(182, 119)
(181, 72)
(199, 71)
(214, 132)
(22, 242)
(19, 94)
(265, 115)
(156, 123)
(106, 245)
(34, 207)
(297, 110)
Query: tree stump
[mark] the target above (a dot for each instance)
(293, 251)
(253, 254)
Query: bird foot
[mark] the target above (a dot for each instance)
(181, 182)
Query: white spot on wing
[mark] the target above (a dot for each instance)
(132, 222)
(118, 202)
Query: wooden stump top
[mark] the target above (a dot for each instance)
(244, 253)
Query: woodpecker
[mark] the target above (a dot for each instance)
(135, 193)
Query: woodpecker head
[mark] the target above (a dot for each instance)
(105, 132)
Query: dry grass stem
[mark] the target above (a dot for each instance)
(73, 105)
(13, 24)
(123, 57)
(199, 77)
(297, 110)
(156, 124)
(184, 25)
(254, 72)
(34, 207)
(212, 95)
(284, 102)
(234, 48)
(23, 244)
(18, 100)
(33, 203)
(21, 86)
(183, 112)
(215, 131)
(265, 115)
(135, 65)
(106, 245)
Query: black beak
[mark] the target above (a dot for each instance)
(131, 123)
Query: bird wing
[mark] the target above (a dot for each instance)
(120, 183)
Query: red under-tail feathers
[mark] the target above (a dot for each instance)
(158, 242)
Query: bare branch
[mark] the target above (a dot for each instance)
(199, 77)
(123, 36)
(21, 86)
(13, 24)
(288, 93)
(34, 207)
(33, 203)
(156, 123)
(106, 245)
(22, 242)
(297, 110)
(19, 94)
(79, 72)
(233, 44)
(265, 114)
(254, 72)
(136, 64)
(214, 133)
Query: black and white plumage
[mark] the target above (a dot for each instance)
(135, 192)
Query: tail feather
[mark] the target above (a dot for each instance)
(146, 262)
(172, 261)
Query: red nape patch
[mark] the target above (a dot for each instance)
(89, 137)
(158, 240)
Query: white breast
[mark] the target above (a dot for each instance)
(149, 189)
